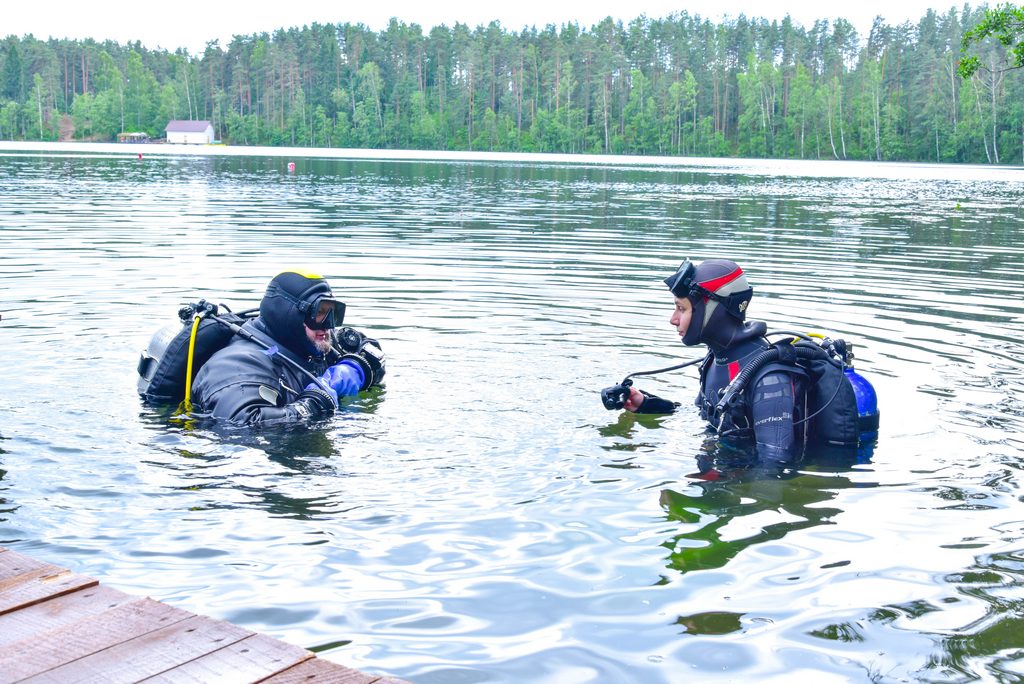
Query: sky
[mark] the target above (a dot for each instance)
(191, 24)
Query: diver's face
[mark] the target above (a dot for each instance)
(320, 339)
(681, 316)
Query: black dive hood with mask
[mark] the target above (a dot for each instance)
(292, 302)
(719, 293)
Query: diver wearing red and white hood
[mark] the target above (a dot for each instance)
(711, 302)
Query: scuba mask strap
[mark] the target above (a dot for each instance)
(736, 303)
(683, 284)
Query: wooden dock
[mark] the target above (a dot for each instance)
(56, 626)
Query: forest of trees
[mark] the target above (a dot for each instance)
(680, 85)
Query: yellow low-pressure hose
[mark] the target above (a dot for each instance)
(818, 336)
(188, 370)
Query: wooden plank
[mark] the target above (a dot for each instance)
(321, 672)
(39, 584)
(57, 612)
(59, 627)
(244, 661)
(149, 654)
(13, 564)
(24, 575)
(92, 634)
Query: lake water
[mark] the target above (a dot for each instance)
(482, 518)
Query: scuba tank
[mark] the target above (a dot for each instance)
(867, 404)
(156, 350)
(166, 362)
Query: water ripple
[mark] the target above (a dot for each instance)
(482, 518)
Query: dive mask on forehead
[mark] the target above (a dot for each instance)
(322, 313)
(681, 283)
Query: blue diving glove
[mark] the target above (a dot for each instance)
(342, 379)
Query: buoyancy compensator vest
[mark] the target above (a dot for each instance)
(840, 407)
(164, 365)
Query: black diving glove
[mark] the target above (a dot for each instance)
(654, 404)
(315, 402)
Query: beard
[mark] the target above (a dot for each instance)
(322, 346)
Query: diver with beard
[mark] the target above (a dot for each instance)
(711, 302)
(287, 367)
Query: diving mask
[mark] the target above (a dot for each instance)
(323, 313)
(681, 283)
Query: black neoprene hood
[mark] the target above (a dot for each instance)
(283, 307)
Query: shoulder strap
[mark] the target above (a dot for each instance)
(703, 368)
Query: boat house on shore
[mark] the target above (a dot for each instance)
(189, 132)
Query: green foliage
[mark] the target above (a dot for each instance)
(680, 85)
(8, 119)
(1004, 24)
(10, 85)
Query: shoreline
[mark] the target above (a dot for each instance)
(787, 167)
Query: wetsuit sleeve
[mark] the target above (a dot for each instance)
(243, 388)
(771, 408)
(653, 404)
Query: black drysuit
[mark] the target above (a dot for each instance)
(247, 384)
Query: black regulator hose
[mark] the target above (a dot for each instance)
(614, 397)
(662, 370)
(248, 335)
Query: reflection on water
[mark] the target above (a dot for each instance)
(713, 513)
(482, 517)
